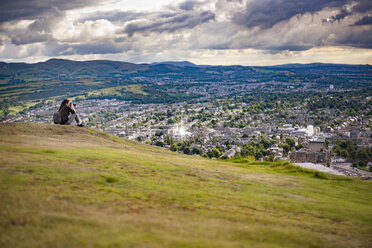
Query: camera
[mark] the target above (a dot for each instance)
(74, 104)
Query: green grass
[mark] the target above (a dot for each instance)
(134, 88)
(62, 186)
(25, 106)
(261, 70)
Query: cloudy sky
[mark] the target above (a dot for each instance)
(246, 32)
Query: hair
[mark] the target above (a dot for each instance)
(64, 102)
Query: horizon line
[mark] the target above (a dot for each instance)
(179, 61)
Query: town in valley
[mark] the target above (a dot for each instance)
(310, 120)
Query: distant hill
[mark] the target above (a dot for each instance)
(177, 63)
(68, 69)
(61, 69)
(323, 68)
(64, 186)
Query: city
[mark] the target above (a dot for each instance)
(264, 127)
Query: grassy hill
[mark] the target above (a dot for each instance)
(62, 186)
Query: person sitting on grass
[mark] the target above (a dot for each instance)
(68, 113)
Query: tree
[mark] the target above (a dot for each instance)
(300, 146)
(248, 150)
(265, 143)
(269, 158)
(286, 147)
(196, 150)
(169, 140)
(5, 109)
(159, 143)
(326, 143)
(291, 142)
(159, 134)
(214, 153)
(363, 154)
(174, 148)
(186, 150)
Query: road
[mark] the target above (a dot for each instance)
(348, 170)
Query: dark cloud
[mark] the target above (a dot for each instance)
(185, 15)
(29, 37)
(266, 13)
(45, 14)
(296, 48)
(38, 31)
(15, 10)
(97, 48)
(360, 39)
(169, 24)
(341, 15)
(54, 49)
(366, 20)
(362, 6)
(189, 5)
(108, 32)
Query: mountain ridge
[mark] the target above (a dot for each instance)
(69, 69)
(186, 62)
(177, 63)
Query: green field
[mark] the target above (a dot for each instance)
(133, 88)
(22, 96)
(63, 186)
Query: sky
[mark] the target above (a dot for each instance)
(214, 32)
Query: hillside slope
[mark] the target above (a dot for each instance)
(63, 186)
(65, 70)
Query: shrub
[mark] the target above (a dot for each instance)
(186, 150)
(110, 179)
(196, 150)
(320, 175)
(159, 143)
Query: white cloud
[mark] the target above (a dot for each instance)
(69, 31)
(201, 31)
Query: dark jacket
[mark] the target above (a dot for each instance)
(65, 112)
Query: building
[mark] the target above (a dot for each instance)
(315, 145)
(305, 156)
(231, 153)
(276, 151)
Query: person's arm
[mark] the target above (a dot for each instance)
(72, 109)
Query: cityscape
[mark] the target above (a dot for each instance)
(283, 126)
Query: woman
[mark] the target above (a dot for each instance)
(68, 113)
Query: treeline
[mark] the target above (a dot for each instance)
(254, 149)
(352, 152)
(341, 101)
